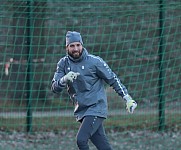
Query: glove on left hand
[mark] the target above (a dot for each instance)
(130, 103)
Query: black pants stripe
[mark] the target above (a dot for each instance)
(92, 128)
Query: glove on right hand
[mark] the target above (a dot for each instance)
(70, 77)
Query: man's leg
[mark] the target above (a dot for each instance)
(88, 127)
(99, 139)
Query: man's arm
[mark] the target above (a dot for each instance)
(104, 72)
(111, 78)
(60, 79)
(57, 84)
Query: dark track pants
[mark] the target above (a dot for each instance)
(92, 128)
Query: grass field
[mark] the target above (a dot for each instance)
(65, 140)
(117, 120)
(136, 132)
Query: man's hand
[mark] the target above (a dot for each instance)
(130, 103)
(70, 77)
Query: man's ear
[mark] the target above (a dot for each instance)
(66, 47)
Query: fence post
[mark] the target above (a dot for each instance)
(161, 68)
(29, 66)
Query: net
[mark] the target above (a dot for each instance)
(140, 40)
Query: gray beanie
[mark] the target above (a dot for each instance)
(73, 36)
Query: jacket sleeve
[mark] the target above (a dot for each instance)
(104, 72)
(57, 86)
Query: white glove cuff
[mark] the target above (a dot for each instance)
(62, 81)
(127, 97)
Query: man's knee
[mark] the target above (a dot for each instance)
(82, 143)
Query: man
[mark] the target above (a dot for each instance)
(83, 75)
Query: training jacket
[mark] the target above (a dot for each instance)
(87, 92)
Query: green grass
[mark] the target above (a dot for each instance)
(117, 122)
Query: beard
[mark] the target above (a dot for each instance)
(75, 54)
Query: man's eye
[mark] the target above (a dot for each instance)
(78, 45)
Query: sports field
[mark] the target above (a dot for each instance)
(65, 140)
(57, 131)
(140, 41)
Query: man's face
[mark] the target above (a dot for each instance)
(74, 49)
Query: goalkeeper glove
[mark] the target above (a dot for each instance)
(69, 77)
(130, 103)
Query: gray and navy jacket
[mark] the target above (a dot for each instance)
(87, 92)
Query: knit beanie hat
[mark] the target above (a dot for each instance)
(73, 36)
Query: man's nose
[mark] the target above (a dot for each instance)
(76, 48)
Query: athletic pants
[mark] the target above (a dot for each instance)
(92, 128)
